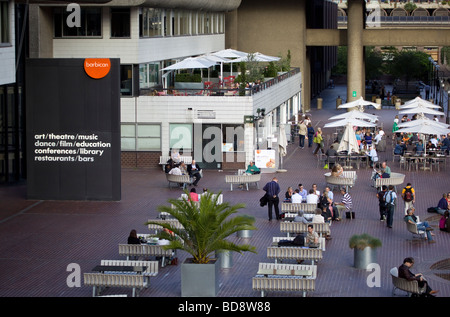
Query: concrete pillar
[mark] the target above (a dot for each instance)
(355, 56)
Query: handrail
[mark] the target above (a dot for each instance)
(216, 90)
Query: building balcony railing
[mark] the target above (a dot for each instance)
(398, 20)
(221, 89)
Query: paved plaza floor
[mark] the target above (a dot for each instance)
(40, 239)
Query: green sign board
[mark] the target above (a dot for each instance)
(354, 93)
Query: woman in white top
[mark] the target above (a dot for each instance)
(373, 155)
(317, 217)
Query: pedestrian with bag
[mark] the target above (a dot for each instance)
(390, 198)
(318, 140)
(382, 202)
(272, 190)
(408, 195)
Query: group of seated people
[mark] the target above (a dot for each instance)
(323, 201)
(176, 166)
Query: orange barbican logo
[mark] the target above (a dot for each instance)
(97, 67)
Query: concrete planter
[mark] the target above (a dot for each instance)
(245, 234)
(187, 85)
(362, 258)
(199, 280)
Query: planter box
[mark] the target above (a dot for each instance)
(245, 234)
(364, 257)
(199, 280)
(186, 85)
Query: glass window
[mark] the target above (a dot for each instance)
(233, 137)
(141, 137)
(148, 75)
(90, 23)
(120, 22)
(126, 80)
(180, 136)
(4, 22)
(150, 22)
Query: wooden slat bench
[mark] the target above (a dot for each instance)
(173, 222)
(347, 179)
(295, 207)
(102, 280)
(285, 277)
(275, 241)
(178, 179)
(294, 253)
(145, 250)
(243, 179)
(395, 179)
(299, 227)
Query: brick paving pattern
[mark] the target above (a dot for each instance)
(39, 239)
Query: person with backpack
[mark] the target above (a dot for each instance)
(390, 198)
(408, 195)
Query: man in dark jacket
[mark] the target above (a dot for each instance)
(194, 171)
(272, 190)
(404, 272)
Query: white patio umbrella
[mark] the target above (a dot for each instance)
(348, 141)
(424, 120)
(419, 102)
(425, 128)
(191, 63)
(421, 110)
(359, 103)
(352, 121)
(230, 54)
(257, 57)
(217, 59)
(355, 114)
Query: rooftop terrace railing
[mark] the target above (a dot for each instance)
(217, 89)
(409, 20)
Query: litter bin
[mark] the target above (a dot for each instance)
(338, 102)
(225, 258)
(319, 103)
(398, 102)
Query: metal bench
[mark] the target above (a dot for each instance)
(145, 250)
(285, 277)
(410, 287)
(299, 227)
(294, 253)
(347, 179)
(243, 179)
(155, 226)
(295, 207)
(275, 241)
(101, 280)
(178, 179)
(395, 179)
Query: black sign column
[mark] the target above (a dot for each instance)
(73, 129)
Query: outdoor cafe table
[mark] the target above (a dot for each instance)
(421, 161)
(347, 160)
(119, 268)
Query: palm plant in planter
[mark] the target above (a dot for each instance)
(365, 247)
(206, 227)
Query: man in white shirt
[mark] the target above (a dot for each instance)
(175, 171)
(296, 197)
(312, 198)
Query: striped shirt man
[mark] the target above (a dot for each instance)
(347, 201)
